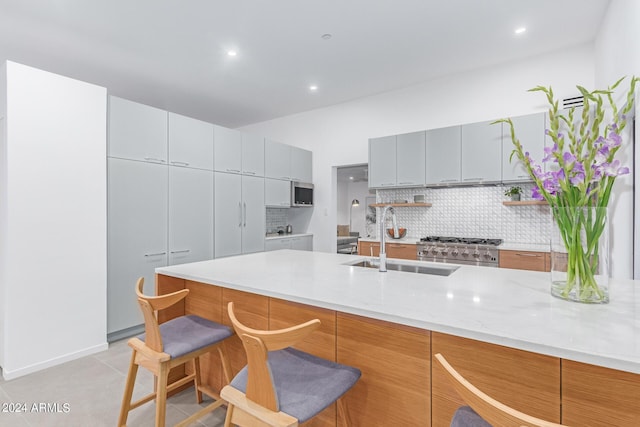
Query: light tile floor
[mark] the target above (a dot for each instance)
(91, 389)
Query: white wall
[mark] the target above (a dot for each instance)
(617, 54)
(53, 267)
(338, 135)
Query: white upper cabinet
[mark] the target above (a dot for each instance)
(382, 162)
(277, 193)
(190, 142)
(481, 152)
(277, 160)
(227, 147)
(137, 131)
(442, 156)
(252, 155)
(410, 165)
(301, 165)
(530, 130)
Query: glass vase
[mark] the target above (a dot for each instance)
(580, 254)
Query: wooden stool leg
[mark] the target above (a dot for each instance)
(226, 366)
(161, 395)
(128, 391)
(196, 379)
(227, 419)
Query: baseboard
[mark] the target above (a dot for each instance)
(125, 333)
(16, 373)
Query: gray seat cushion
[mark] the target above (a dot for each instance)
(305, 384)
(467, 417)
(185, 334)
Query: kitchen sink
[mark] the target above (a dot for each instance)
(411, 268)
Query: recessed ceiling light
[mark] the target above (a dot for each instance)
(232, 53)
(351, 178)
(520, 30)
(313, 88)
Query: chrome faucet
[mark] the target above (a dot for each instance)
(383, 252)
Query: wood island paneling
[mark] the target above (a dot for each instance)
(400, 385)
(395, 364)
(526, 381)
(596, 396)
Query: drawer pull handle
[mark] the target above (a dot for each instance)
(153, 159)
(180, 163)
(183, 251)
(530, 255)
(155, 254)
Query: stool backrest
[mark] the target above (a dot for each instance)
(257, 344)
(150, 306)
(492, 411)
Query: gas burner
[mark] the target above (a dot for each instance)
(465, 240)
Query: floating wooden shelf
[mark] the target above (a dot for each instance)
(407, 205)
(525, 203)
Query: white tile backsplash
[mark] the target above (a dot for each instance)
(276, 217)
(470, 212)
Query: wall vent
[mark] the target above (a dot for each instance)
(575, 102)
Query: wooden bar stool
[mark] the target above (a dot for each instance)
(171, 344)
(483, 410)
(282, 386)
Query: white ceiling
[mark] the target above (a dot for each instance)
(172, 53)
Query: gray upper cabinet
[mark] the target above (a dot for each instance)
(137, 131)
(442, 157)
(190, 142)
(277, 193)
(382, 162)
(481, 152)
(410, 164)
(277, 160)
(252, 155)
(530, 130)
(301, 165)
(227, 150)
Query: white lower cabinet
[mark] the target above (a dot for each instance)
(239, 214)
(190, 215)
(137, 236)
(300, 243)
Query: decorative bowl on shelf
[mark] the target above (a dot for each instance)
(401, 233)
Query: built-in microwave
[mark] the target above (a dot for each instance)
(301, 194)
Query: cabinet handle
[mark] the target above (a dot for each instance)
(248, 173)
(183, 251)
(472, 179)
(153, 159)
(406, 182)
(245, 214)
(448, 180)
(285, 177)
(530, 255)
(371, 250)
(239, 214)
(180, 163)
(523, 176)
(233, 170)
(155, 254)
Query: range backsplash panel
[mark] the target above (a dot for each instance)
(470, 212)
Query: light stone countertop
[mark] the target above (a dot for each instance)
(286, 236)
(501, 306)
(406, 240)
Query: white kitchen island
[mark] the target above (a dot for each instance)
(509, 314)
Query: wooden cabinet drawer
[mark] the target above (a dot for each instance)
(401, 250)
(369, 249)
(524, 260)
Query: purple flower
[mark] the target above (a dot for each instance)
(548, 153)
(615, 139)
(614, 169)
(568, 159)
(535, 193)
